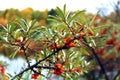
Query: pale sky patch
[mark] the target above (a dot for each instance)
(89, 5)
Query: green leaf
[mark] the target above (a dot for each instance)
(37, 33)
(4, 27)
(17, 33)
(9, 75)
(92, 21)
(64, 10)
(75, 15)
(53, 18)
(14, 54)
(3, 39)
(31, 24)
(83, 19)
(22, 24)
(12, 27)
(40, 78)
(84, 51)
(60, 13)
(8, 27)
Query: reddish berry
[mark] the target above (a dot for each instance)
(51, 47)
(78, 70)
(58, 65)
(71, 45)
(118, 66)
(2, 69)
(43, 41)
(59, 69)
(100, 51)
(58, 58)
(20, 51)
(81, 34)
(95, 25)
(58, 46)
(67, 39)
(115, 33)
(111, 41)
(71, 71)
(34, 76)
(118, 48)
(55, 46)
(90, 33)
(19, 39)
(97, 17)
(104, 31)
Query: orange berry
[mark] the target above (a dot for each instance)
(67, 39)
(71, 71)
(78, 70)
(111, 41)
(104, 31)
(59, 69)
(81, 34)
(51, 47)
(58, 65)
(20, 51)
(97, 17)
(58, 46)
(58, 58)
(115, 33)
(118, 66)
(43, 41)
(71, 45)
(100, 51)
(90, 33)
(2, 69)
(34, 76)
(19, 39)
(118, 48)
(95, 25)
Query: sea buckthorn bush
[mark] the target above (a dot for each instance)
(73, 46)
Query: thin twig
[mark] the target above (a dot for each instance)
(26, 57)
(71, 30)
(97, 58)
(53, 53)
(45, 67)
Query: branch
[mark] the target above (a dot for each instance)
(22, 72)
(70, 28)
(53, 53)
(45, 67)
(26, 57)
(31, 67)
(96, 57)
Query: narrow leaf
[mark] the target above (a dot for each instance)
(75, 15)
(91, 22)
(31, 24)
(64, 10)
(60, 13)
(14, 54)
